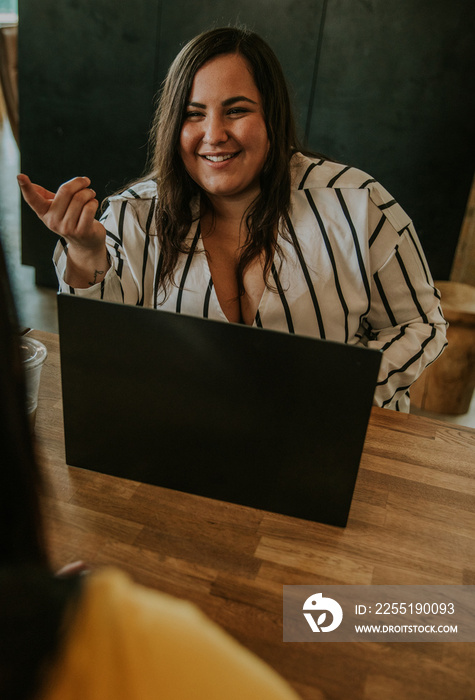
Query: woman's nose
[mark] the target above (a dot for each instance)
(215, 131)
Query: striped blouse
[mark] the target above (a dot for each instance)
(352, 270)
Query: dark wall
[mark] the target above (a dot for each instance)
(87, 76)
(385, 85)
(395, 96)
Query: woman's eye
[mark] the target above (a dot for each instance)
(193, 115)
(238, 110)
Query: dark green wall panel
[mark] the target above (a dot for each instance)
(88, 72)
(395, 96)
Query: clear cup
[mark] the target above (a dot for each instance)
(34, 355)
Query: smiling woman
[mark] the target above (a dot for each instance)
(235, 221)
(224, 146)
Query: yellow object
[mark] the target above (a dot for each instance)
(127, 642)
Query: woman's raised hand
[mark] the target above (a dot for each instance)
(70, 213)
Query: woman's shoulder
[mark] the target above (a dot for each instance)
(317, 172)
(111, 593)
(314, 174)
(142, 190)
(157, 635)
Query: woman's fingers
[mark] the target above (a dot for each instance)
(38, 198)
(71, 194)
(86, 221)
(69, 212)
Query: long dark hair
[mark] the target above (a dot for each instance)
(21, 528)
(32, 600)
(176, 188)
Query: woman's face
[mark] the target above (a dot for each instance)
(223, 140)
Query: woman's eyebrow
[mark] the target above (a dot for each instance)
(225, 103)
(239, 98)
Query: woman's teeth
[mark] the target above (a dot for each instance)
(219, 159)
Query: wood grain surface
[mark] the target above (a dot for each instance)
(412, 521)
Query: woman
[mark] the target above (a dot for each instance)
(234, 222)
(98, 636)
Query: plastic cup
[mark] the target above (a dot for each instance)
(34, 355)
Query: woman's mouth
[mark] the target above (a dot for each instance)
(219, 158)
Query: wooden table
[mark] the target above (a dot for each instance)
(412, 521)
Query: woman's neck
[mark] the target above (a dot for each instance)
(229, 210)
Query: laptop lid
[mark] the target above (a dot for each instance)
(246, 415)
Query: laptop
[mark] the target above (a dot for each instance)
(241, 414)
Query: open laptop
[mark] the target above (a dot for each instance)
(246, 415)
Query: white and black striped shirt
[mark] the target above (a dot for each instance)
(354, 271)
